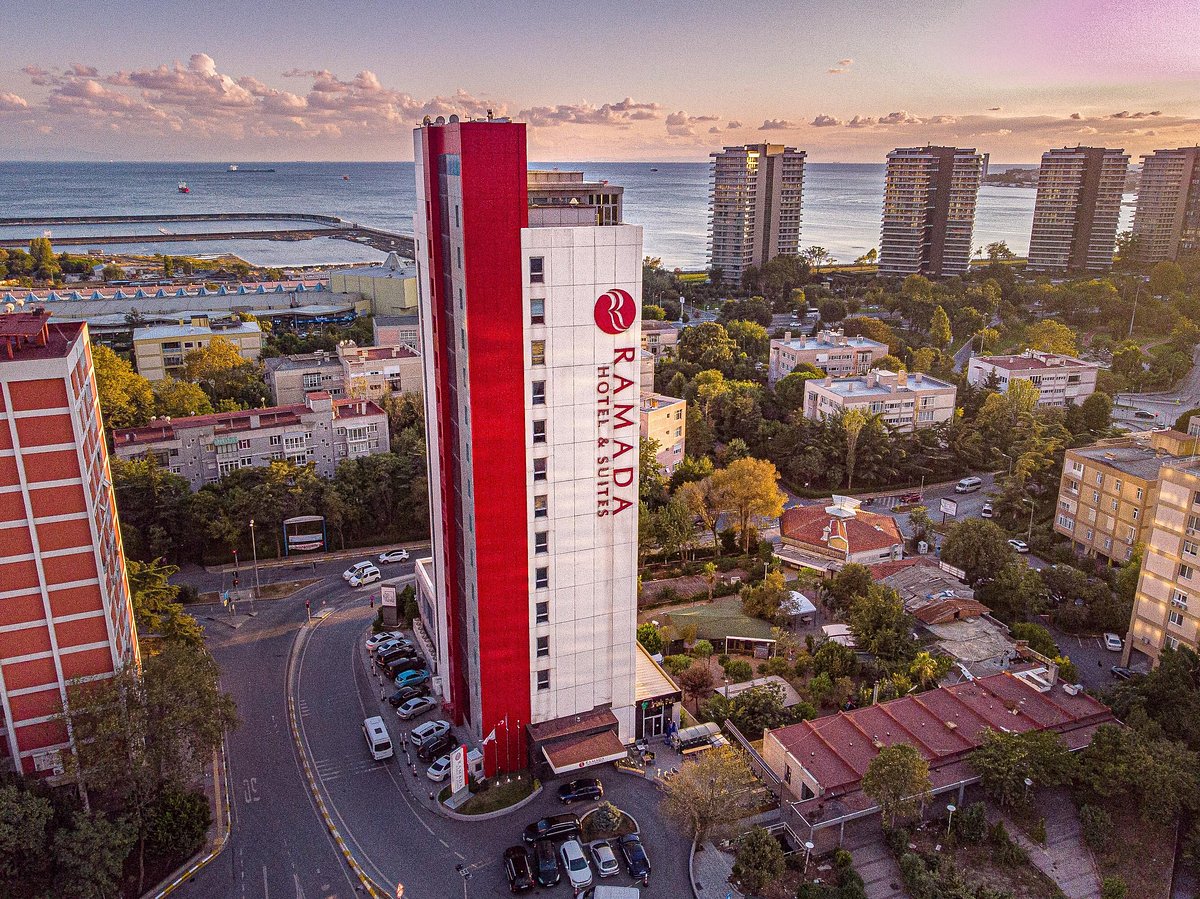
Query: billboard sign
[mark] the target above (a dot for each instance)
(949, 507)
(387, 596)
(458, 769)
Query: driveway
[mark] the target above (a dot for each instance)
(1090, 657)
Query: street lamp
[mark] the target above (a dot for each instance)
(808, 848)
(951, 808)
(1028, 784)
(254, 549)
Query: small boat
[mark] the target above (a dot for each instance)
(653, 169)
(233, 168)
(345, 177)
(183, 188)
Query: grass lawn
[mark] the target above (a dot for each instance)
(499, 795)
(979, 865)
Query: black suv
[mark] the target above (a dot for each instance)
(636, 859)
(396, 666)
(545, 862)
(430, 751)
(556, 827)
(517, 869)
(404, 694)
(398, 653)
(581, 790)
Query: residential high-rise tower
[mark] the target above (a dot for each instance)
(1077, 208)
(755, 206)
(1167, 221)
(929, 210)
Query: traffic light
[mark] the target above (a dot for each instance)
(235, 582)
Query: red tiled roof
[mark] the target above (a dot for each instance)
(1027, 363)
(941, 611)
(865, 531)
(943, 725)
(880, 570)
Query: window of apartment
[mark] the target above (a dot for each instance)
(1117, 485)
(537, 312)
(1090, 534)
(1190, 548)
(539, 393)
(537, 352)
(458, 250)
(543, 680)
(312, 381)
(1114, 505)
(1196, 498)
(1073, 486)
(1095, 496)
(1076, 466)
(1179, 599)
(541, 578)
(1099, 479)
(1176, 618)
(679, 432)
(243, 444)
(539, 469)
(224, 468)
(1130, 533)
(543, 647)
(1186, 572)
(537, 270)
(541, 507)
(276, 439)
(542, 612)
(541, 542)
(1193, 523)
(1135, 513)
(1065, 522)
(1172, 642)
(1140, 493)
(539, 430)
(456, 219)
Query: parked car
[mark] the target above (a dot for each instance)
(1145, 415)
(440, 746)
(394, 555)
(545, 862)
(986, 511)
(579, 872)
(636, 860)
(399, 651)
(429, 731)
(1019, 545)
(1113, 642)
(517, 869)
(376, 640)
(580, 790)
(968, 485)
(416, 707)
(355, 569)
(403, 664)
(1122, 673)
(366, 576)
(552, 828)
(910, 498)
(439, 770)
(404, 694)
(411, 678)
(389, 645)
(606, 860)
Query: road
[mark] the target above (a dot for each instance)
(1166, 406)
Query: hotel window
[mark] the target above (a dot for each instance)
(537, 312)
(542, 612)
(543, 681)
(541, 542)
(541, 578)
(541, 507)
(1176, 618)
(539, 469)
(537, 270)
(537, 352)
(459, 251)
(539, 431)
(539, 393)
(312, 381)
(1179, 599)
(543, 647)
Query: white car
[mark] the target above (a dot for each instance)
(394, 555)
(606, 860)
(439, 770)
(416, 706)
(388, 645)
(376, 640)
(1113, 642)
(576, 863)
(355, 569)
(986, 511)
(428, 732)
(1019, 545)
(368, 575)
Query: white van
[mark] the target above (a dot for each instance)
(968, 485)
(605, 891)
(379, 741)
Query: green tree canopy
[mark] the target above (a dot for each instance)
(711, 794)
(126, 398)
(978, 547)
(897, 779)
(881, 626)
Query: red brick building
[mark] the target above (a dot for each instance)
(65, 608)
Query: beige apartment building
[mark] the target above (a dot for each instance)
(1108, 492)
(905, 402)
(1166, 607)
(831, 351)
(660, 339)
(351, 371)
(1059, 379)
(664, 418)
(388, 289)
(1167, 221)
(159, 352)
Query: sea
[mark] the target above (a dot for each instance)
(841, 212)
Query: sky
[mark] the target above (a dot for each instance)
(655, 80)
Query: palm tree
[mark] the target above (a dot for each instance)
(710, 575)
(924, 668)
(854, 420)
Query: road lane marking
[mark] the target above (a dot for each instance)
(266, 889)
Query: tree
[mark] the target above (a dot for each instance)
(702, 500)
(209, 364)
(112, 272)
(789, 390)
(1181, 423)
(881, 626)
(1097, 412)
(759, 708)
(178, 822)
(1005, 760)
(1166, 278)
(987, 337)
(840, 591)
(853, 420)
(155, 610)
(651, 638)
(978, 547)
(763, 600)
(126, 399)
(759, 860)
(751, 338)
(712, 793)
(25, 819)
(710, 579)
(696, 681)
(43, 263)
(749, 490)
(708, 345)
(897, 779)
(835, 659)
(674, 529)
(652, 484)
(926, 668)
(177, 399)
(90, 856)
(1051, 336)
(999, 250)
(653, 313)
(939, 329)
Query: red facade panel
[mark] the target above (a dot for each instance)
(54, 535)
(5, 436)
(33, 673)
(9, 476)
(80, 632)
(44, 393)
(73, 600)
(24, 642)
(64, 500)
(20, 575)
(12, 504)
(43, 430)
(35, 705)
(20, 609)
(15, 541)
(75, 567)
(35, 736)
(88, 662)
(56, 465)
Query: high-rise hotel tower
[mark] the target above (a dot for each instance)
(1167, 221)
(1077, 208)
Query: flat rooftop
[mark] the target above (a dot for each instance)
(859, 386)
(821, 343)
(162, 332)
(26, 336)
(1139, 461)
(1038, 362)
(652, 401)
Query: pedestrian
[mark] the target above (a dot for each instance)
(403, 744)
(372, 600)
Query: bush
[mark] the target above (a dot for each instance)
(971, 825)
(606, 817)
(897, 839)
(820, 689)
(1008, 853)
(729, 542)
(702, 650)
(759, 860)
(677, 664)
(1097, 827)
(650, 637)
(842, 860)
(1038, 832)
(739, 670)
(804, 664)
(177, 822)
(187, 593)
(723, 660)
(777, 665)
(1113, 888)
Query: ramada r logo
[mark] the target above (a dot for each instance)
(615, 311)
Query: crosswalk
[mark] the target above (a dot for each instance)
(336, 768)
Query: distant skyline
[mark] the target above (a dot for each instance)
(608, 80)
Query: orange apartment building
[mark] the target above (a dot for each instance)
(65, 609)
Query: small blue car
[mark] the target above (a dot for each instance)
(411, 678)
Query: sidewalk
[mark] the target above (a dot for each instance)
(711, 870)
(873, 860)
(357, 552)
(1065, 858)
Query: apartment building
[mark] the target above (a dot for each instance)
(905, 402)
(664, 418)
(397, 330)
(1108, 491)
(1167, 220)
(362, 372)
(660, 339)
(929, 210)
(555, 188)
(831, 351)
(1059, 379)
(65, 609)
(754, 207)
(159, 351)
(1166, 607)
(1077, 209)
(204, 448)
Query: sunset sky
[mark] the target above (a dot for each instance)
(596, 80)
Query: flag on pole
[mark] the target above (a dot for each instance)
(490, 737)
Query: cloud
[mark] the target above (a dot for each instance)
(714, 130)
(777, 125)
(900, 118)
(1076, 116)
(842, 67)
(1125, 114)
(860, 122)
(825, 121)
(993, 109)
(680, 124)
(622, 113)
(732, 124)
(12, 103)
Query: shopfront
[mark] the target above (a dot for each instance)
(656, 699)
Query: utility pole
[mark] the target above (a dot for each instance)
(254, 549)
(1133, 314)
